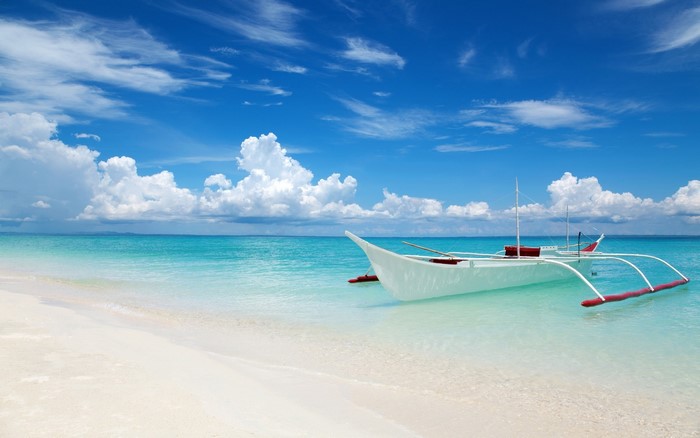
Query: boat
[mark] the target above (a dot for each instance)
(419, 277)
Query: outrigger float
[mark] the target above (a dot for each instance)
(416, 277)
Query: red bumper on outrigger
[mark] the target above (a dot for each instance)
(633, 294)
(363, 278)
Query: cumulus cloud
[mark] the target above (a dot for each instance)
(686, 202)
(218, 180)
(396, 206)
(277, 186)
(122, 194)
(585, 197)
(43, 179)
(472, 210)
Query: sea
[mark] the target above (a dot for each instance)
(649, 344)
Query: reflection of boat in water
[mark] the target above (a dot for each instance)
(414, 277)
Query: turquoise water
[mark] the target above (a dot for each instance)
(650, 344)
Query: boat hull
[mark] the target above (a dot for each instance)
(409, 279)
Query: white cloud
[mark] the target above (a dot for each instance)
(396, 206)
(467, 148)
(369, 52)
(224, 50)
(493, 127)
(218, 180)
(664, 134)
(122, 194)
(631, 4)
(680, 32)
(288, 68)
(94, 137)
(686, 201)
(64, 66)
(586, 198)
(43, 179)
(550, 114)
(41, 204)
(573, 143)
(524, 48)
(265, 86)
(40, 177)
(466, 57)
(503, 69)
(472, 210)
(267, 21)
(376, 123)
(277, 186)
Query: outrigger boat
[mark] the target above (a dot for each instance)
(416, 277)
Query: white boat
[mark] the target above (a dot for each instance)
(415, 277)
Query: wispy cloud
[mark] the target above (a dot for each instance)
(524, 48)
(468, 148)
(370, 121)
(408, 10)
(265, 86)
(358, 70)
(664, 134)
(550, 114)
(65, 65)
(630, 4)
(225, 50)
(288, 68)
(503, 69)
(94, 137)
(349, 8)
(466, 57)
(265, 21)
(493, 127)
(572, 143)
(370, 52)
(683, 30)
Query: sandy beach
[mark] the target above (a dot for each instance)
(81, 368)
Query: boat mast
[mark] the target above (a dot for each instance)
(567, 227)
(517, 220)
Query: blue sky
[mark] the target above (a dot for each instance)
(386, 118)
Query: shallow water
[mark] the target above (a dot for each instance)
(649, 344)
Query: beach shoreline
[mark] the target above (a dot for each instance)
(72, 368)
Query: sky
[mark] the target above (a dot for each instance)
(395, 118)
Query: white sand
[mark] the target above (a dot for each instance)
(72, 370)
